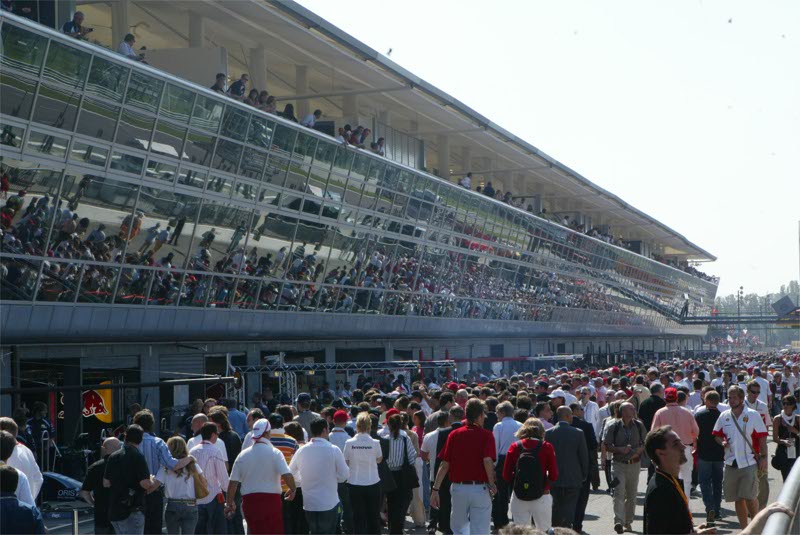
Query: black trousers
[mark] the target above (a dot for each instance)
(294, 518)
(154, 512)
(500, 502)
(347, 510)
(440, 518)
(580, 508)
(365, 503)
(397, 503)
(565, 500)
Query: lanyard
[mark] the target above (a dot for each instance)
(679, 488)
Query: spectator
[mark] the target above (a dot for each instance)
(624, 438)
(466, 181)
(270, 104)
(22, 458)
(539, 511)
(239, 87)
(573, 467)
(92, 490)
(23, 489)
(362, 454)
(74, 28)
(381, 146)
(252, 98)
(488, 190)
(340, 136)
(468, 457)
(339, 437)
(401, 455)
(181, 512)
(591, 447)
(233, 446)
(311, 119)
(259, 470)
(15, 515)
(320, 466)
(237, 418)
(504, 433)
(40, 427)
(683, 423)
(157, 455)
(219, 83)
(288, 113)
(304, 415)
(210, 512)
(125, 48)
(127, 478)
(710, 456)
(786, 434)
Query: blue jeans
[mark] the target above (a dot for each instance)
(181, 518)
(323, 522)
(710, 475)
(211, 518)
(134, 524)
(471, 509)
(426, 485)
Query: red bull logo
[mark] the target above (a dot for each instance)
(98, 403)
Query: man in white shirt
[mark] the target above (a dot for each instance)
(504, 435)
(258, 470)
(321, 467)
(126, 48)
(590, 408)
(7, 445)
(198, 421)
(211, 514)
(22, 458)
(695, 398)
(311, 119)
(743, 434)
(765, 395)
(466, 182)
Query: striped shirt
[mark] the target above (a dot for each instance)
(399, 448)
(286, 445)
(210, 461)
(156, 453)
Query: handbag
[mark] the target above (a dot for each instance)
(780, 459)
(388, 484)
(200, 485)
(409, 471)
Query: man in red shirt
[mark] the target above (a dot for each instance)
(468, 459)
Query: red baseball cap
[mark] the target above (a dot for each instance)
(389, 413)
(341, 416)
(452, 386)
(670, 395)
(614, 369)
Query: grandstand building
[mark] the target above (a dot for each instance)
(164, 225)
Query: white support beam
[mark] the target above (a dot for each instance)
(197, 30)
(443, 156)
(301, 87)
(344, 93)
(120, 23)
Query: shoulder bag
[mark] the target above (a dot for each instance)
(200, 485)
(409, 471)
(388, 484)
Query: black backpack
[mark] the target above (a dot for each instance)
(529, 476)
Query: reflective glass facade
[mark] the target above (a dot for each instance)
(142, 189)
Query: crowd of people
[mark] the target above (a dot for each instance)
(472, 455)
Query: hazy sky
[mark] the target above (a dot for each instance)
(690, 111)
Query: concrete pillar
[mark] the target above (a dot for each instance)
(350, 110)
(443, 157)
(120, 25)
(485, 164)
(466, 161)
(149, 372)
(6, 372)
(252, 381)
(384, 116)
(302, 107)
(258, 68)
(197, 30)
(388, 351)
(330, 358)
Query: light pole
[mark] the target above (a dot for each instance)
(739, 297)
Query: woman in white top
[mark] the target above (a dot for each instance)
(181, 513)
(363, 453)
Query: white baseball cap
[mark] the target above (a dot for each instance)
(260, 428)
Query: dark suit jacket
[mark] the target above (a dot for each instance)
(588, 432)
(648, 408)
(572, 456)
(665, 512)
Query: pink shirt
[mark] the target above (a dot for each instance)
(681, 420)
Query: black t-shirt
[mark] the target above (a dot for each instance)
(233, 446)
(489, 421)
(94, 484)
(665, 512)
(708, 449)
(125, 469)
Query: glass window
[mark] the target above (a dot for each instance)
(253, 163)
(88, 154)
(66, 65)
(98, 119)
(48, 144)
(168, 225)
(56, 107)
(275, 171)
(234, 125)
(304, 148)
(284, 139)
(198, 148)
(135, 129)
(221, 185)
(16, 95)
(376, 169)
(207, 114)
(223, 229)
(11, 136)
(107, 79)
(343, 161)
(297, 176)
(160, 171)
(127, 163)
(144, 92)
(22, 50)
(245, 191)
(192, 178)
(168, 139)
(360, 167)
(260, 133)
(177, 104)
(325, 154)
(226, 158)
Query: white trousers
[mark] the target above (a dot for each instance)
(537, 512)
(686, 472)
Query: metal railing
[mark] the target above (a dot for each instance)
(781, 523)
